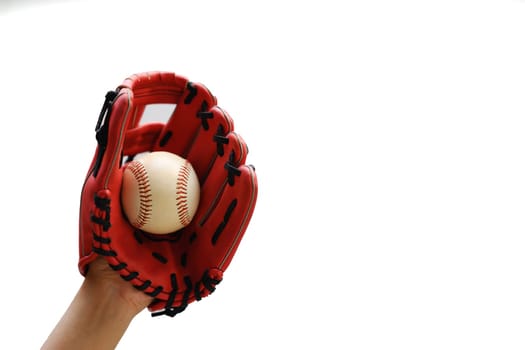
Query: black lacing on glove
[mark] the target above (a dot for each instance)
(232, 169)
(104, 205)
(221, 140)
(204, 114)
(192, 94)
(102, 129)
(170, 310)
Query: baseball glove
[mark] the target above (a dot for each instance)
(184, 266)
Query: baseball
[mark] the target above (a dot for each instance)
(160, 192)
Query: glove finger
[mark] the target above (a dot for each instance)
(222, 171)
(224, 228)
(227, 202)
(210, 142)
(190, 115)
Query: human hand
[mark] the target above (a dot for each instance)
(102, 278)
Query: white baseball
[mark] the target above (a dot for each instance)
(160, 192)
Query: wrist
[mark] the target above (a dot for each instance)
(107, 300)
(111, 291)
(96, 319)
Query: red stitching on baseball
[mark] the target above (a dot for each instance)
(140, 174)
(182, 194)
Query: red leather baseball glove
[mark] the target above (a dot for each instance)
(184, 266)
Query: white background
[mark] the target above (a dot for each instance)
(388, 138)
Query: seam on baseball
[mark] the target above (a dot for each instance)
(145, 207)
(182, 194)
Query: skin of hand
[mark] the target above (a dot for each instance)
(100, 312)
